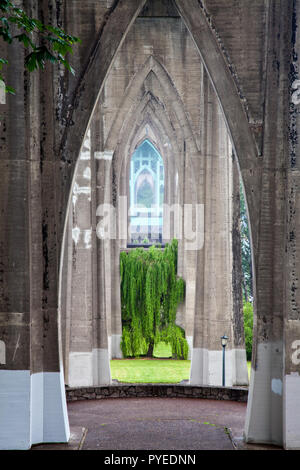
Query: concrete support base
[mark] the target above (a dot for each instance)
(207, 367)
(291, 412)
(115, 348)
(190, 343)
(80, 369)
(264, 412)
(89, 368)
(101, 367)
(240, 369)
(32, 409)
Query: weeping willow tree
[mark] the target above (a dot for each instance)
(150, 294)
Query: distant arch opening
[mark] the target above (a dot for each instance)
(146, 187)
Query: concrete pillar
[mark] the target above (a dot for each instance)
(80, 368)
(101, 352)
(291, 353)
(32, 398)
(214, 299)
(271, 414)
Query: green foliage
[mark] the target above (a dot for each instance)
(248, 326)
(246, 250)
(150, 295)
(45, 43)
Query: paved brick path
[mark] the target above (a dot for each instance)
(155, 424)
(158, 423)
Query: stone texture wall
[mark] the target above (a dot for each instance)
(250, 52)
(157, 390)
(158, 89)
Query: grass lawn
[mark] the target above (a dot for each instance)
(156, 370)
(150, 370)
(249, 368)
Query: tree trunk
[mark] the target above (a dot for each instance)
(150, 349)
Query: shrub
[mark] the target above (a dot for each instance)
(248, 327)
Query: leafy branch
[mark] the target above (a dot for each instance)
(45, 43)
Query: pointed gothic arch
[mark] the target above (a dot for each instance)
(227, 93)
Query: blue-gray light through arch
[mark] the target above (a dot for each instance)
(146, 187)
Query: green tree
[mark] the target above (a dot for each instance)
(246, 250)
(247, 283)
(45, 43)
(248, 327)
(150, 294)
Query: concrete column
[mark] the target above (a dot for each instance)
(101, 365)
(66, 294)
(107, 252)
(291, 353)
(80, 370)
(214, 300)
(271, 419)
(32, 398)
(15, 366)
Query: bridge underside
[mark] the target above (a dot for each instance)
(214, 86)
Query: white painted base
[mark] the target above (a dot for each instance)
(15, 410)
(190, 343)
(101, 367)
(116, 352)
(80, 369)
(32, 409)
(291, 412)
(87, 369)
(264, 410)
(240, 369)
(207, 367)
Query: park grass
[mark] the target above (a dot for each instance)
(150, 370)
(159, 369)
(249, 368)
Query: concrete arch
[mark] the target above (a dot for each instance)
(150, 119)
(156, 117)
(195, 18)
(228, 96)
(36, 196)
(122, 124)
(143, 115)
(151, 65)
(88, 90)
(144, 137)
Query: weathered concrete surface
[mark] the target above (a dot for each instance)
(291, 343)
(157, 89)
(250, 51)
